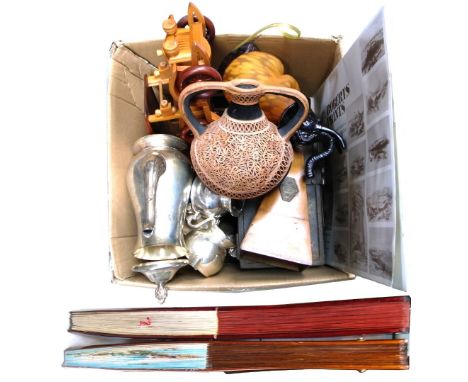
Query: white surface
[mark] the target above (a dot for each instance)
(53, 209)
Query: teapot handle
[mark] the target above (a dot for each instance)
(237, 87)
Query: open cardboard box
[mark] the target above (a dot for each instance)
(309, 60)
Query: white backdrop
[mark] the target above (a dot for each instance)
(53, 206)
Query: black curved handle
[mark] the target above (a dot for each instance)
(311, 162)
(312, 131)
(338, 140)
(312, 127)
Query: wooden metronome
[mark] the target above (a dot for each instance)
(187, 54)
(281, 228)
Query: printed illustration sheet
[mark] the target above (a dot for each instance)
(356, 101)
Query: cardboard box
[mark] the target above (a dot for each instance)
(309, 60)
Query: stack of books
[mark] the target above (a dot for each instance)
(360, 334)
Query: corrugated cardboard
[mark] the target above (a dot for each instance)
(309, 60)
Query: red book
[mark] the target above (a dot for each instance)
(386, 315)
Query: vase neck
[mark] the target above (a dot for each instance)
(244, 112)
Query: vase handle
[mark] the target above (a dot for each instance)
(245, 90)
(299, 116)
(186, 97)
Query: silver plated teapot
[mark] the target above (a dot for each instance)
(159, 180)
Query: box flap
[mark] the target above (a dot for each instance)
(363, 235)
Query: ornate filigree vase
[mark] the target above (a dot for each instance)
(242, 155)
